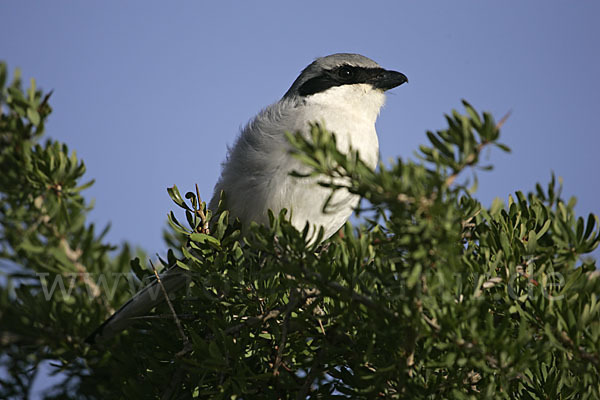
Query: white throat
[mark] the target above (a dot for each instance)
(361, 100)
(350, 111)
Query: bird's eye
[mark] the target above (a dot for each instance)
(345, 72)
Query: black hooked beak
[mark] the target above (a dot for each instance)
(386, 80)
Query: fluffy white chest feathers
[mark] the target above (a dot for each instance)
(256, 178)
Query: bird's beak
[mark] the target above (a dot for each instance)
(387, 80)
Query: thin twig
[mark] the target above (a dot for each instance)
(503, 119)
(252, 321)
(337, 287)
(200, 212)
(470, 160)
(321, 325)
(173, 385)
(186, 341)
(264, 317)
(474, 156)
(293, 303)
(564, 337)
(165, 316)
(281, 347)
(312, 375)
(73, 255)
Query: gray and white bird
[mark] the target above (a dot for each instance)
(344, 93)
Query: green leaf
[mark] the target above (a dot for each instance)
(472, 114)
(544, 229)
(176, 197)
(443, 147)
(503, 147)
(176, 225)
(504, 242)
(531, 242)
(414, 276)
(3, 74)
(204, 238)
(183, 265)
(214, 351)
(84, 186)
(589, 227)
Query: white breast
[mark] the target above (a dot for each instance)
(256, 178)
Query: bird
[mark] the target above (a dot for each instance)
(344, 93)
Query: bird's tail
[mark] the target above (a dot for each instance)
(142, 302)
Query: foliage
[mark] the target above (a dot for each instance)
(50, 256)
(432, 296)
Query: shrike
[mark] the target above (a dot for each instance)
(344, 93)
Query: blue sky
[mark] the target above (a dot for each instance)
(150, 93)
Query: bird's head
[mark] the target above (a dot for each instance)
(344, 74)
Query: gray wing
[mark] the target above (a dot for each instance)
(141, 303)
